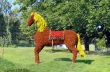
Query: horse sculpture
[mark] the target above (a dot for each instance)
(41, 37)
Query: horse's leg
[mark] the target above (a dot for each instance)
(73, 50)
(37, 50)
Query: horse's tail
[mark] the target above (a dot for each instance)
(79, 47)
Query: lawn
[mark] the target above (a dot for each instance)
(22, 60)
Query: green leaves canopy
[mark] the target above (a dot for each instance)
(81, 15)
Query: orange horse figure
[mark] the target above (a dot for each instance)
(41, 37)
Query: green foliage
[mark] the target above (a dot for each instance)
(9, 25)
(2, 25)
(78, 12)
(101, 43)
(79, 15)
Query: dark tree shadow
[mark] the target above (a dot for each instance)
(77, 61)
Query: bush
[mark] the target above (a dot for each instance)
(101, 43)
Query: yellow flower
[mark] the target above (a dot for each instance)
(79, 47)
(40, 22)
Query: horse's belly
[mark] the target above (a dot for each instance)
(55, 42)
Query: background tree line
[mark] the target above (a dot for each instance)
(9, 25)
(83, 16)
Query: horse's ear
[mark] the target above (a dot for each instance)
(31, 20)
(32, 13)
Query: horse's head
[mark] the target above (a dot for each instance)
(38, 20)
(31, 20)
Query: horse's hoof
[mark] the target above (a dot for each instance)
(37, 62)
(73, 62)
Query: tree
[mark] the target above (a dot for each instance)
(79, 15)
(8, 24)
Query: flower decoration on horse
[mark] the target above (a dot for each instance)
(44, 37)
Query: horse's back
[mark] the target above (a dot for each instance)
(70, 35)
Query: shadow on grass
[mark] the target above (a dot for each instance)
(63, 59)
(5, 63)
(18, 70)
(7, 66)
(77, 61)
(84, 61)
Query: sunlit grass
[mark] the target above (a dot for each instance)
(22, 60)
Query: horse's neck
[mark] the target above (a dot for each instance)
(46, 29)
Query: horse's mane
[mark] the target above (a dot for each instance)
(40, 22)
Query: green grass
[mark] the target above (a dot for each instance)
(22, 60)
